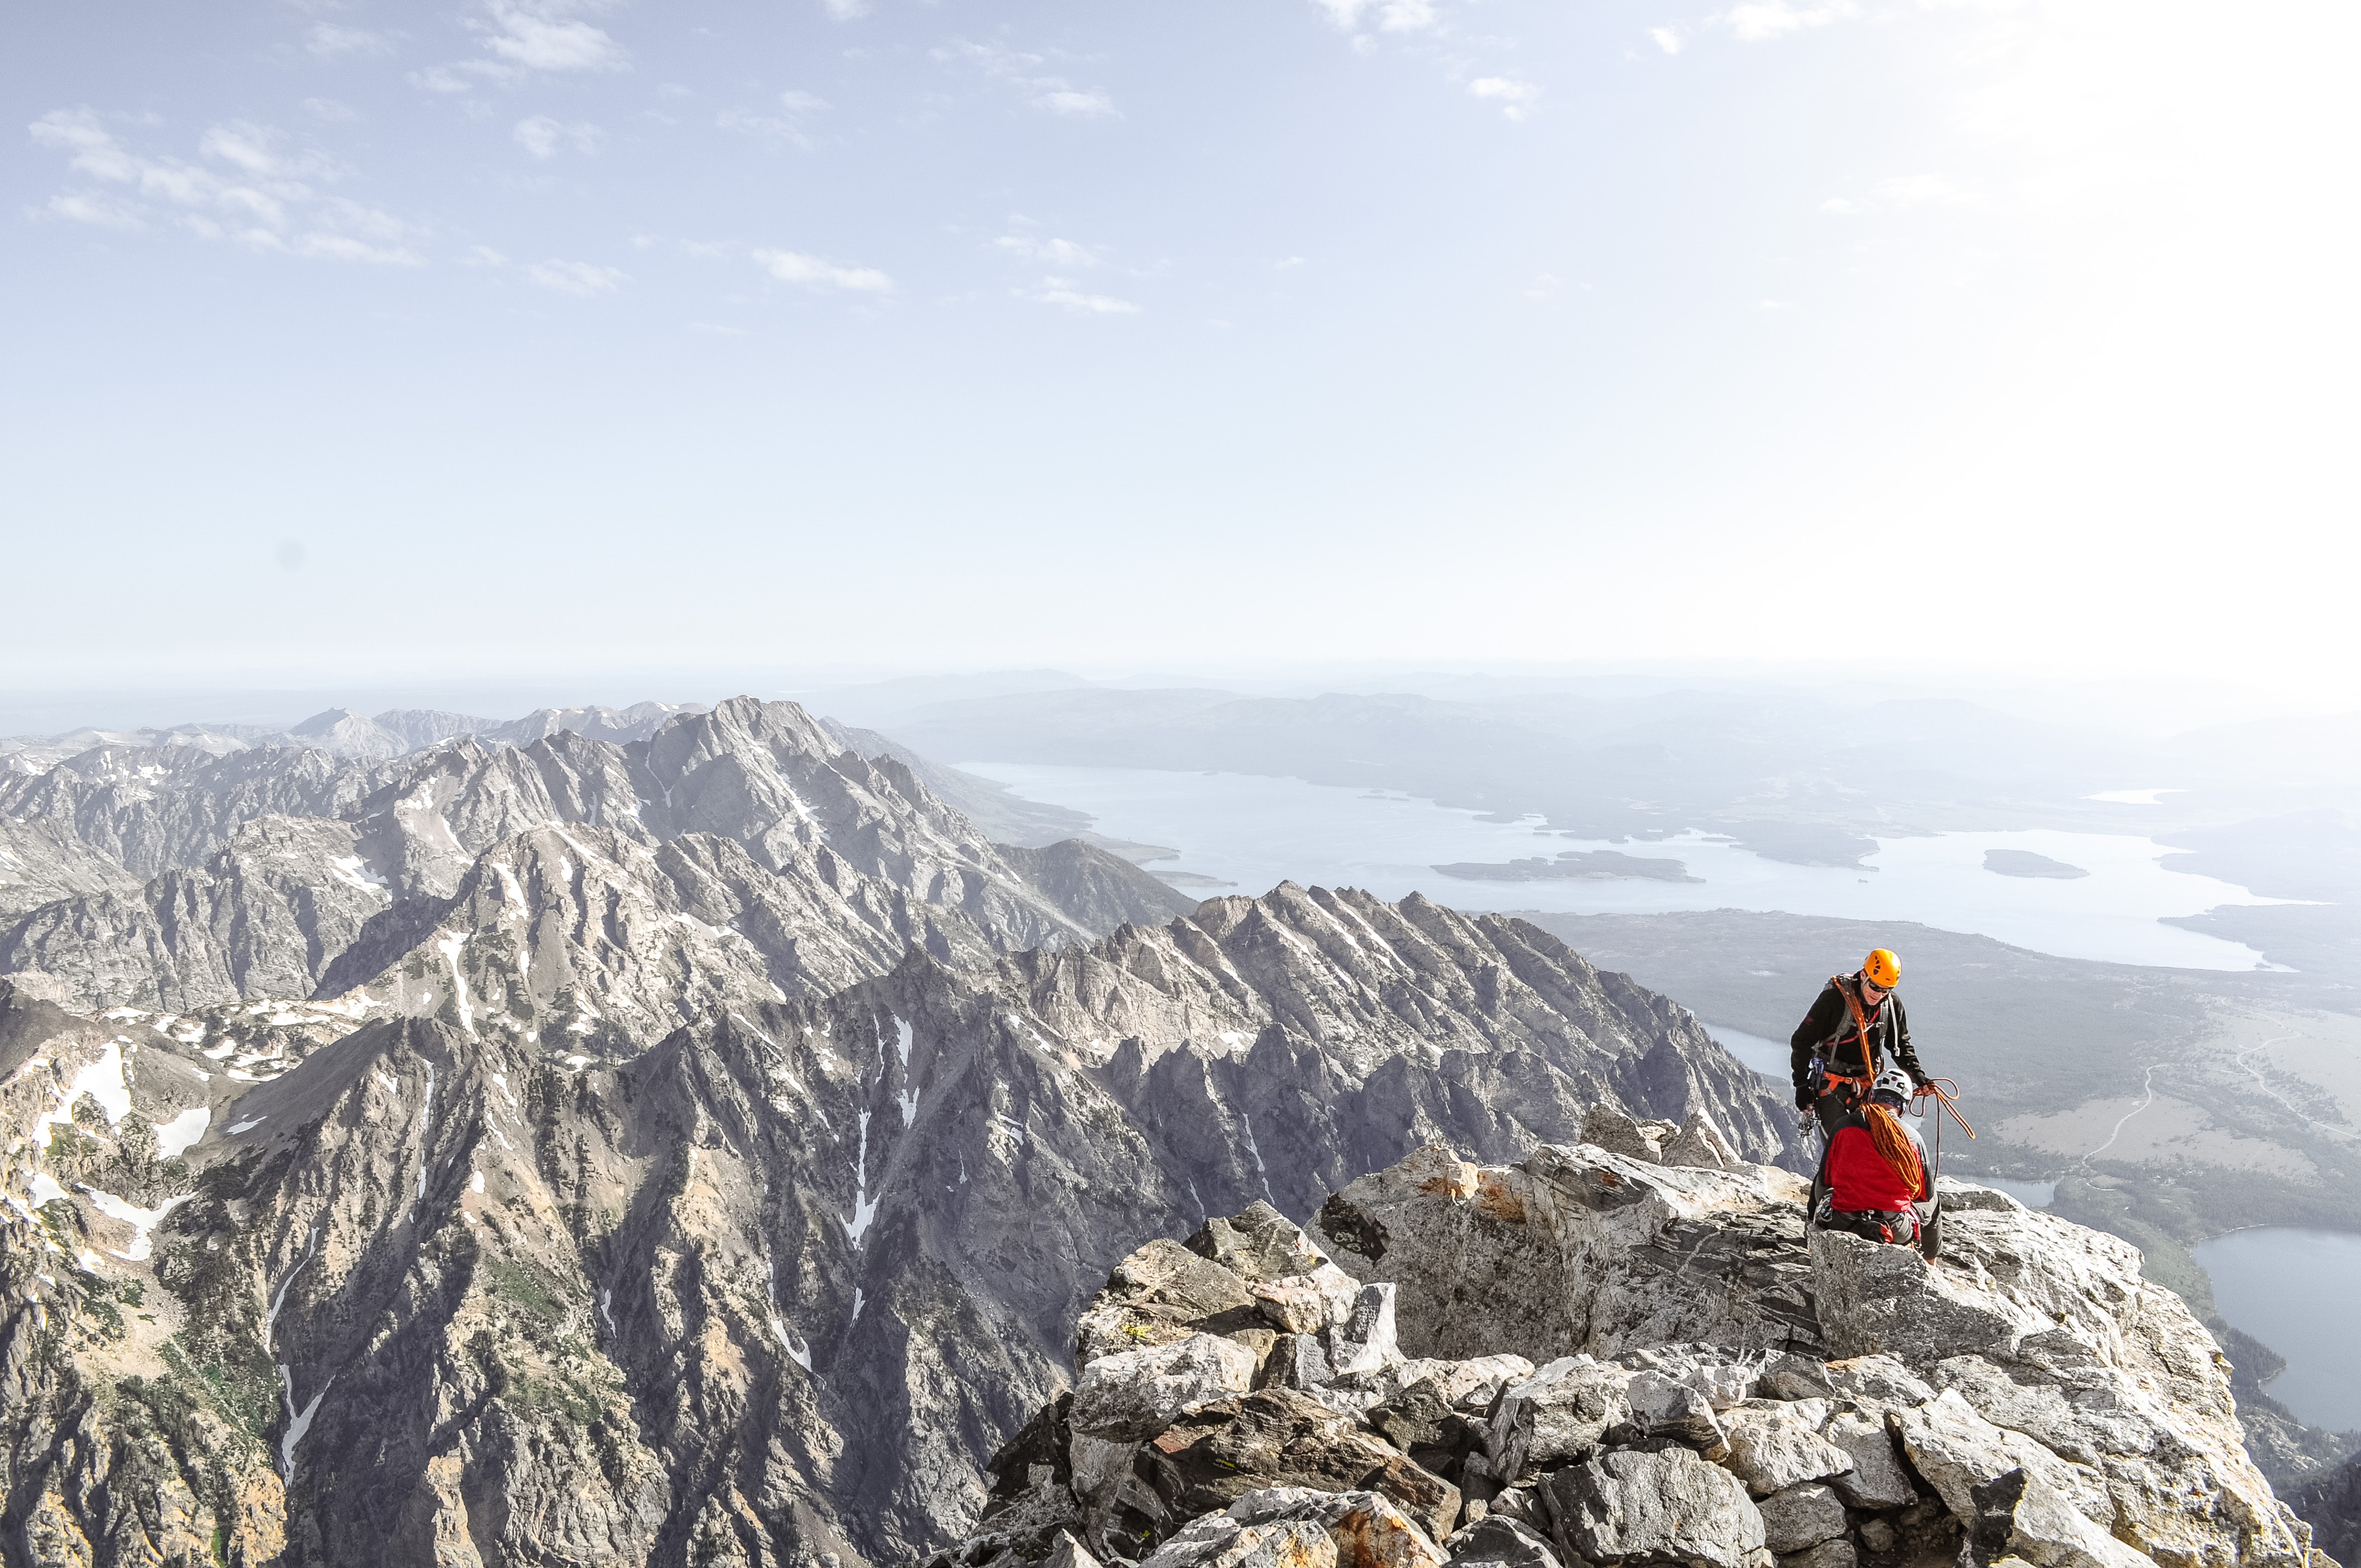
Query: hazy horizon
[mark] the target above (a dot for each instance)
(2124, 705)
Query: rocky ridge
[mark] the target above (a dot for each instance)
(279, 872)
(777, 1280)
(1608, 1358)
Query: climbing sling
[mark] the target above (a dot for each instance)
(1831, 1077)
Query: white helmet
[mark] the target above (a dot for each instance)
(1896, 1082)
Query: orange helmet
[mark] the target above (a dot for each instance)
(1882, 969)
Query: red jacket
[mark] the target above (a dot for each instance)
(1858, 1178)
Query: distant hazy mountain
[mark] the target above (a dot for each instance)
(272, 869)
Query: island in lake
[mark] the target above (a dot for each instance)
(1574, 865)
(2025, 863)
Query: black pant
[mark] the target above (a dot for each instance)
(1897, 1229)
(1833, 1109)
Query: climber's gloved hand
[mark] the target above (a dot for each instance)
(1804, 1097)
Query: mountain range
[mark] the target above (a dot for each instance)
(398, 1141)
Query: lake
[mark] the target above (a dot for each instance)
(1253, 832)
(2293, 1289)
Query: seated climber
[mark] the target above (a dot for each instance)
(1876, 1168)
(1855, 1028)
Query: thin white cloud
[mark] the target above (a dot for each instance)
(1048, 252)
(1760, 20)
(1061, 292)
(1067, 101)
(800, 108)
(583, 279)
(777, 127)
(460, 76)
(330, 109)
(1776, 305)
(544, 34)
(546, 137)
(812, 272)
(1516, 98)
(1390, 16)
(522, 38)
(845, 10)
(94, 207)
(330, 42)
(1055, 94)
(1669, 39)
(256, 190)
(262, 150)
(996, 60)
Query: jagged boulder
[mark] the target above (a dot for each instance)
(1875, 1478)
(1134, 1394)
(2018, 1518)
(1278, 1437)
(1701, 1142)
(1592, 1251)
(1162, 1293)
(1775, 1446)
(1560, 1413)
(1421, 1423)
(1284, 1527)
(1802, 1517)
(1496, 1541)
(1671, 1505)
(2028, 1399)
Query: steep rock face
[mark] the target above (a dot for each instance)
(42, 859)
(1490, 1003)
(585, 940)
(1100, 890)
(777, 1282)
(263, 917)
(162, 808)
(444, 807)
(769, 775)
(1713, 1389)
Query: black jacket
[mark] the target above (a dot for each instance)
(1827, 1032)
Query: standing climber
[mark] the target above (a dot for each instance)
(1876, 1168)
(1855, 1029)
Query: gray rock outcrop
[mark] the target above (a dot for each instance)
(1764, 1398)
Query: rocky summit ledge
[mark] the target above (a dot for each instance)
(1625, 1356)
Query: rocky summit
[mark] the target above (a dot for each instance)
(1609, 1357)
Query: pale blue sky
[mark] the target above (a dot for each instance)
(556, 336)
